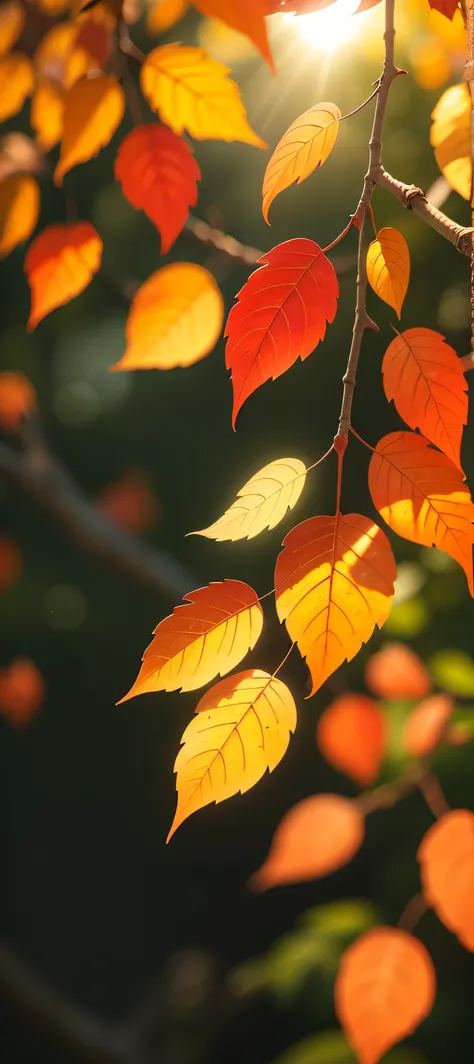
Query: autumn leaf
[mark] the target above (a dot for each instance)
(11, 562)
(12, 20)
(281, 315)
(59, 265)
(175, 319)
(130, 502)
(396, 672)
(19, 209)
(164, 14)
(351, 736)
(47, 113)
(385, 987)
(299, 7)
(333, 584)
(305, 146)
(242, 728)
(16, 83)
(22, 692)
(191, 91)
(388, 267)
(421, 495)
(446, 857)
(315, 838)
(17, 400)
(53, 52)
(19, 154)
(446, 7)
(158, 172)
(451, 138)
(424, 377)
(261, 503)
(94, 109)
(426, 725)
(206, 637)
(245, 16)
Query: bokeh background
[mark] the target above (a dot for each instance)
(90, 896)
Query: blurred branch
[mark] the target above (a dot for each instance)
(35, 472)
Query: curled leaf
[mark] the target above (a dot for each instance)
(93, 110)
(396, 672)
(59, 265)
(351, 735)
(261, 503)
(19, 209)
(388, 267)
(446, 857)
(306, 145)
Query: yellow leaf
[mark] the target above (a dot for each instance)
(12, 20)
(261, 503)
(242, 728)
(164, 14)
(333, 584)
(451, 138)
(47, 113)
(16, 83)
(206, 637)
(388, 267)
(431, 62)
(175, 319)
(305, 146)
(191, 91)
(19, 209)
(94, 108)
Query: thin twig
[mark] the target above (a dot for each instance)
(430, 788)
(412, 913)
(389, 794)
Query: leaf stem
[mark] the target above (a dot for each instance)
(280, 666)
(363, 104)
(412, 913)
(430, 788)
(361, 439)
(326, 455)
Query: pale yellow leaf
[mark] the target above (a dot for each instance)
(261, 503)
(94, 108)
(16, 83)
(451, 138)
(190, 91)
(305, 146)
(175, 319)
(388, 267)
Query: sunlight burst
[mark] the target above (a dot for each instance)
(326, 30)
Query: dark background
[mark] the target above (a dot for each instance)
(90, 895)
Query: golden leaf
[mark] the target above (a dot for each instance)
(451, 138)
(94, 108)
(47, 113)
(242, 728)
(19, 209)
(191, 91)
(388, 267)
(12, 20)
(175, 319)
(261, 503)
(305, 146)
(16, 83)
(164, 14)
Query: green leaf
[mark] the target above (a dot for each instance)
(453, 670)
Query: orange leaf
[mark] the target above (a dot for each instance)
(52, 54)
(59, 265)
(385, 987)
(424, 377)
(245, 16)
(165, 14)
(397, 672)
(158, 173)
(242, 728)
(426, 725)
(388, 267)
(446, 857)
(421, 495)
(446, 7)
(333, 584)
(16, 83)
(11, 562)
(305, 146)
(280, 316)
(12, 20)
(351, 736)
(206, 637)
(21, 692)
(17, 400)
(47, 113)
(316, 837)
(175, 319)
(94, 109)
(19, 209)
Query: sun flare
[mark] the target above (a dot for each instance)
(326, 30)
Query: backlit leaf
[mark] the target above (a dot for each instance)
(242, 728)
(385, 987)
(47, 113)
(16, 83)
(261, 503)
(53, 52)
(424, 377)
(158, 173)
(17, 400)
(94, 108)
(206, 637)
(451, 137)
(426, 725)
(333, 584)
(420, 493)
(175, 319)
(299, 7)
(447, 7)
(59, 265)
(281, 315)
(191, 91)
(396, 672)
(165, 14)
(12, 20)
(19, 209)
(446, 857)
(388, 267)
(21, 692)
(245, 16)
(351, 735)
(316, 837)
(305, 146)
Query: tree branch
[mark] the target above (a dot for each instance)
(414, 199)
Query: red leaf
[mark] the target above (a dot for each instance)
(446, 7)
(158, 173)
(280, 316)
(21, 691)
(351, 736)
(397, 672)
